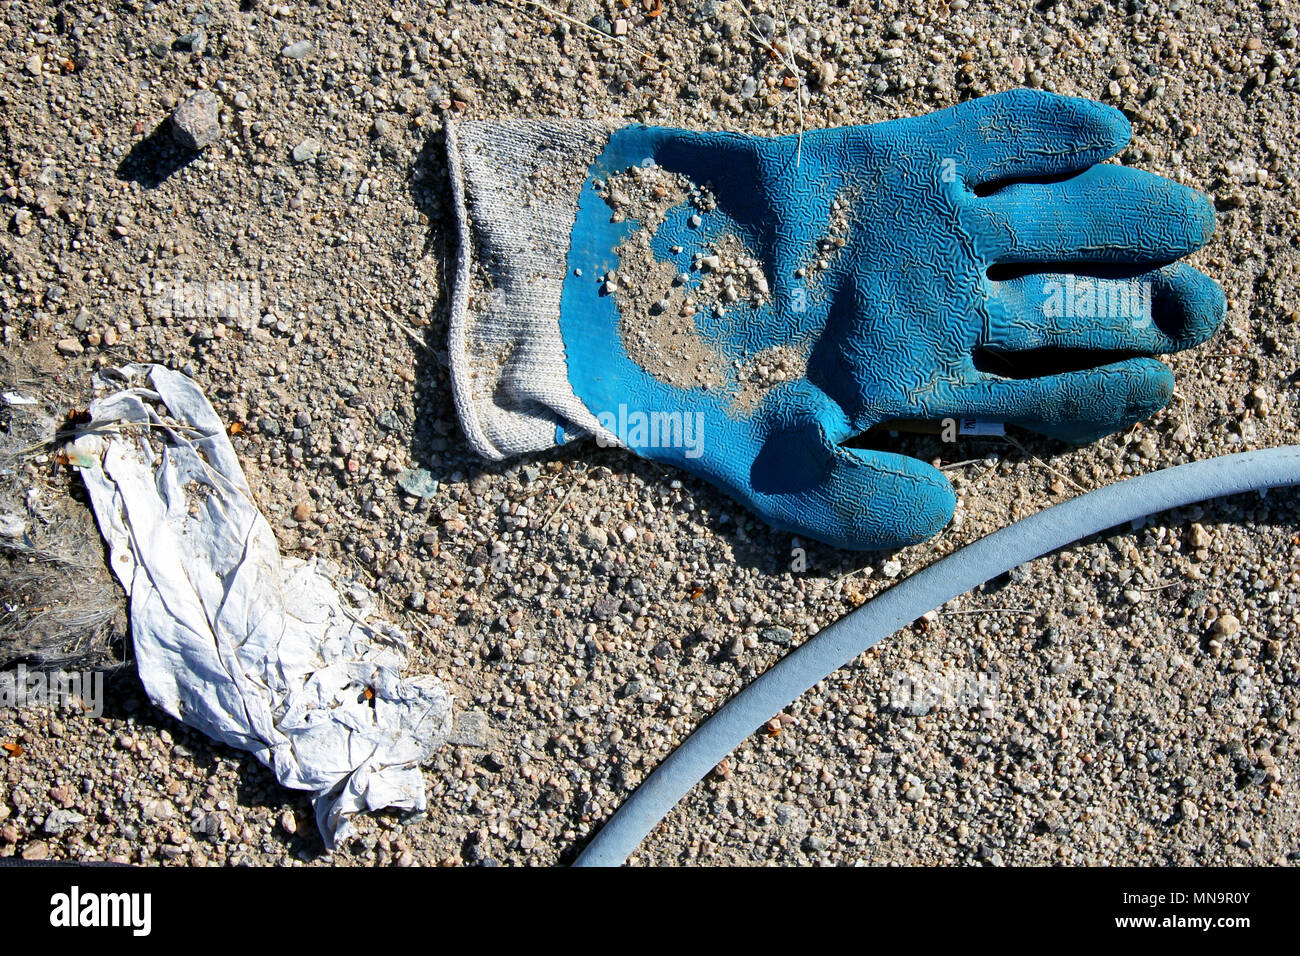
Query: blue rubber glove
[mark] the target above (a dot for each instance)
(741, 307)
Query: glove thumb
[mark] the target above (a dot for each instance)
(851, 498)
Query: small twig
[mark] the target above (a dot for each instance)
(879, 99)
(984, 474)
(991, 610)
(420, 625)
(123, 428)
(1063, 477)
(527, 493)
(963, 464)
(414, 335)
(844, 577)
(384, 598)
(558, 508)
(552, 12)
(786, 60)
(1182, 413)
(792, 66)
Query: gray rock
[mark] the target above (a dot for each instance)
(306, 151)
(299, 50)
(781, 636)
(606, 607)
(60, 821)
(155, 811)
(469, 729)
(418, 482)
(195, 42)
(813, 844)
(195, 124)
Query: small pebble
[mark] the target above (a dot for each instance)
(306, 151)
(1226, 625)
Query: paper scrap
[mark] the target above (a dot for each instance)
(270, 654)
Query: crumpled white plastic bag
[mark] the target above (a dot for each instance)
(253, 649)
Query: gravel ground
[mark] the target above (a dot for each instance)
(1133, 700)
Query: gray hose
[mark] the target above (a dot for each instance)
(929, 588)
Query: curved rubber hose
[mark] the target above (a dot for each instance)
(990, 556)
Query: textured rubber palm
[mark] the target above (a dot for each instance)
(893, 320)
(841, 642)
